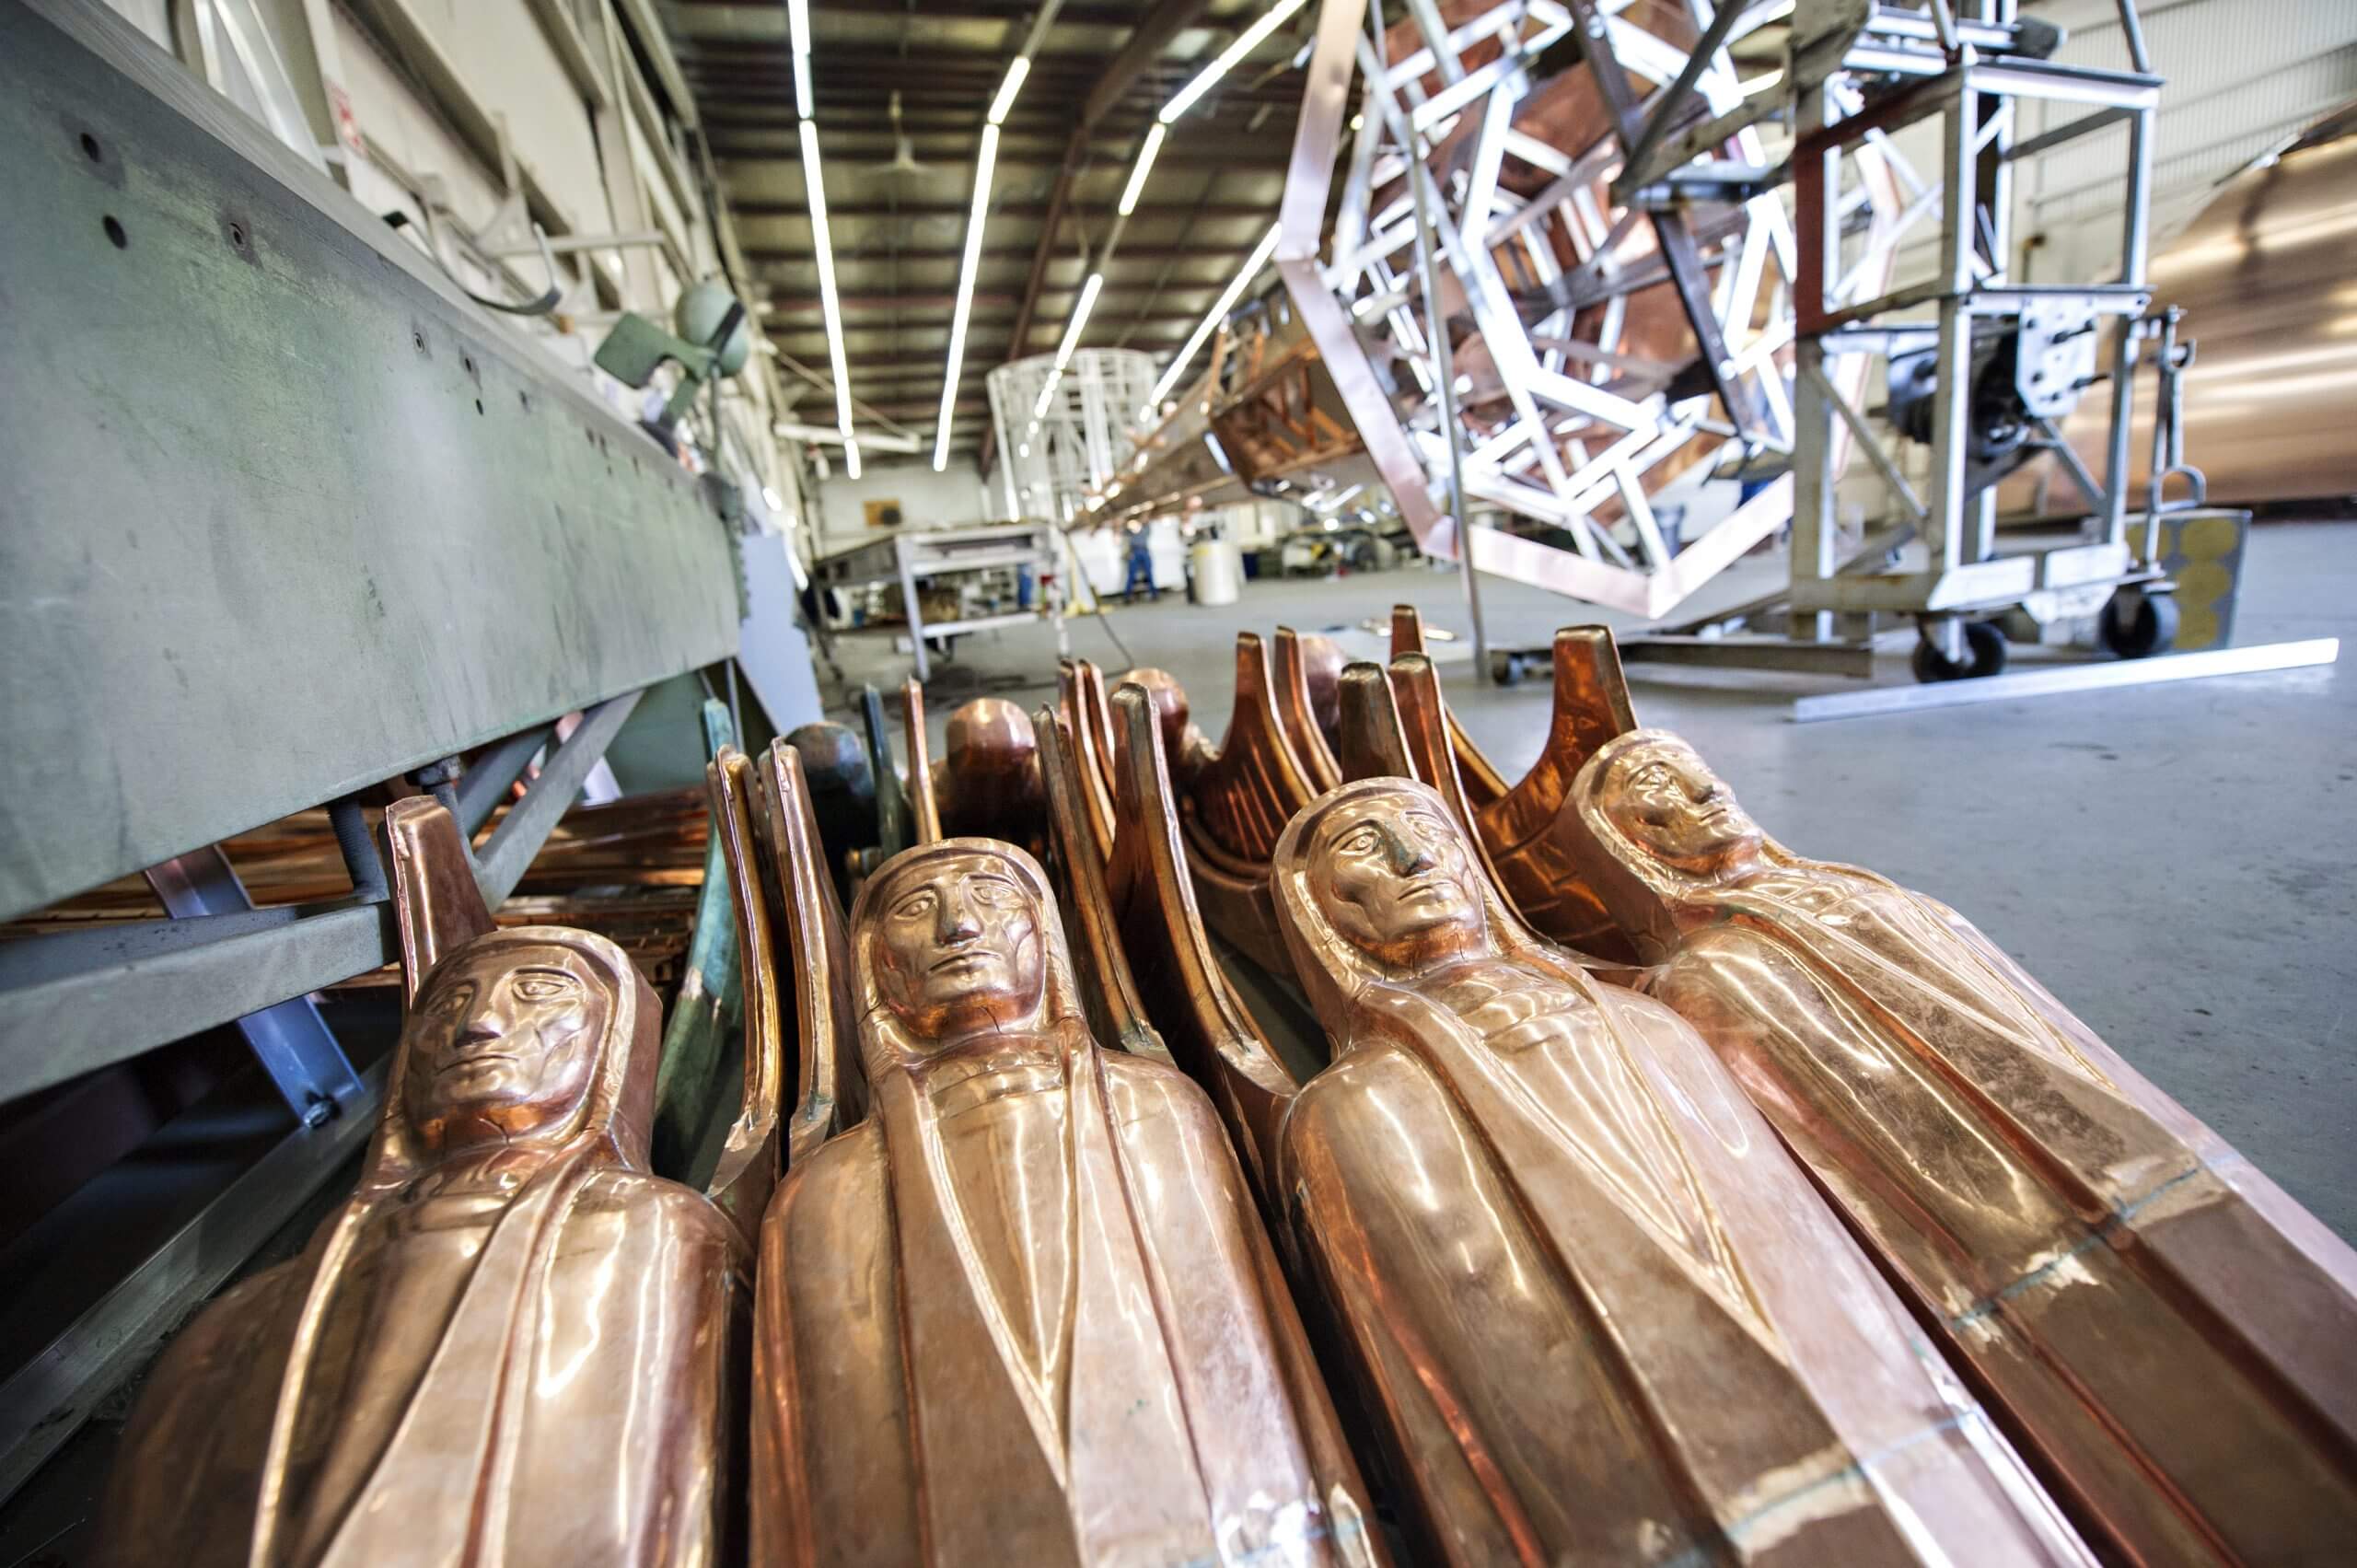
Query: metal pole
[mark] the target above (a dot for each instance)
(1444, 373)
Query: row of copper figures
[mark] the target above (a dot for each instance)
(1343, 1154)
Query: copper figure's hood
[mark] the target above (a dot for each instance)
(1332, 968)
(882, 1039)
(1645, 897)
(615, 1118)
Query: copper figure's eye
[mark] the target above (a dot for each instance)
(542, 987)
(996, 891)
(916, 904)
(456, 999)
(1359, 842)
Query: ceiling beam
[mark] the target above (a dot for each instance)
(1154, 31)
(837, 211)
(1207, 250)
(913, 304)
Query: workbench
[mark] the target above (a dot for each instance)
(911, 557)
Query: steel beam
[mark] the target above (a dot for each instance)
(72, 1004)
(300, 501)
(47, 1399)
(290, 1040)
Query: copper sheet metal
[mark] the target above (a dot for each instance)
(1602, 1315)
(446, 1374)
(2271, 302)
(1306, 670)
(1234, 798)
(1041, 1257)
(1482, 782)
(2160, 1327)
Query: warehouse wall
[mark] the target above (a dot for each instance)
(477, 118)
(928, 500)
(2243, 76)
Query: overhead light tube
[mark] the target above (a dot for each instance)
(814, 195)
(1245, 42)
(1226, 302)
(1016, 70)
(1154, 136)
(1079, 321)
(797, 26)
(985, 165)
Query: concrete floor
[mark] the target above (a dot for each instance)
(2161, 858)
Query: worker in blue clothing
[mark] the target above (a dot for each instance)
(1140, 569)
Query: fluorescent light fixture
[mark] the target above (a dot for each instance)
(1226, 302)
(850, 456)
(1079, 322)
(1016, 72)
(797, 24)
(814, 195)
(770, 498)
(1154, 136)
(985, 165)
(1047, 396)
(1245, 42)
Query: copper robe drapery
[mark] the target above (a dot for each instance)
(1024, 1313)
(2169, 1332)
(1600, 1312)
(521, 1351)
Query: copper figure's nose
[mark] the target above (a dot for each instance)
(1410, 854)
(956, 921)
(487, 1025)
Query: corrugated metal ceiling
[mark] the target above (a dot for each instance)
(898, 231)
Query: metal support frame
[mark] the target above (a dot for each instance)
(358, 523)
(1583, 434)
(293, 1043)
(78, 1001)
(1974, 100)
(46, 1401)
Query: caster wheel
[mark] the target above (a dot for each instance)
(1985, 651)
(2148, 629)
(1506, 670)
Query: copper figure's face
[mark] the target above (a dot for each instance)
(1670, 803)
(503, 1041)
(959, 950)
(1393, 876)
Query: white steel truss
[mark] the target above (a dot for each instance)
(1599, 350)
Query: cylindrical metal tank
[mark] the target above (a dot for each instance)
(2270, 294)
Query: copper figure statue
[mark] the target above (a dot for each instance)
(1024, 1312)
(2170, 1332)
(1601, 1312)
(512, 1344)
